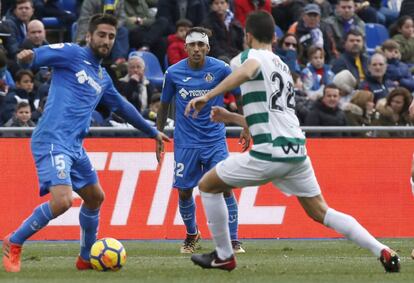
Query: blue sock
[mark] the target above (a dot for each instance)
(89, 221)
(233, 216)
(40, 217)
(187, 211)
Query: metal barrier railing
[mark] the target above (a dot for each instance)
(231, 131)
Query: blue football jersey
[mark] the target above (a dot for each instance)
(78, 84)
(184, 84)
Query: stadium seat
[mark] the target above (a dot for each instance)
(153, 70)
(54, 24)
(375, 35)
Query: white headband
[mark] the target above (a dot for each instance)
(196, 37)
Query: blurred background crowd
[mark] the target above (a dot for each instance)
(352, 61)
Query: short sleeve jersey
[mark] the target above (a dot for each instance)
(269, 108)
(184, 83)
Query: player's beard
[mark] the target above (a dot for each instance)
(97, 50)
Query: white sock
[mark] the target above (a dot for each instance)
(352, 230)
(217, 220)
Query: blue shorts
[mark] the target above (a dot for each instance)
(190, 164)
(58, 166)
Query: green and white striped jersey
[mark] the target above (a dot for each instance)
(269, 108)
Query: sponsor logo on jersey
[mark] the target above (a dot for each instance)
(84, 78)
(192, 93)
(209, 77)
(183, 93)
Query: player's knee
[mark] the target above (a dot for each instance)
(100, 197)
(203, 186)
(62, 204)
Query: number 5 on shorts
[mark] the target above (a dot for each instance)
(59, 161)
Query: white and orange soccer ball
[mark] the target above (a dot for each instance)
(107, 254)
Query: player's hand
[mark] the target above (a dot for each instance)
(195, 104)
(160, 138)
(25, 56)
(219, 114)
(244, 139)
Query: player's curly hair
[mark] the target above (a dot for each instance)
(99, 19)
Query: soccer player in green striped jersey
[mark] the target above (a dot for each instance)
(278, 154)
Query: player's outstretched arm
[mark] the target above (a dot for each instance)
(245, 72)
(220, 114)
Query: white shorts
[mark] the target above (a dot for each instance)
(242, 170)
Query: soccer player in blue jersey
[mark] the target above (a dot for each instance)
(78, 84)
(199, 144)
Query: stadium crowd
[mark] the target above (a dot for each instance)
(339, 78)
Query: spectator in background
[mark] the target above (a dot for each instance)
(173, 10)
(22, 116)
(365, 11)
(138, 13)
(150, 113)
(316, 74)
(311, 31)
(23, 91)
(36, 35)
(288, 49)
(134, 86)
(6, 79)
(303, 103)
(353, 59)
(286, 12)
(18, 19)
(344, 21)
(393, 111)
(146, 32)
(117, 9)
(407, 8)
(376, 81)
(244, 7)
(176, 42)
(403, 33)
(397, 71)
(5, 75)
(227, 34)
(360, 111)
(326, 112)
(8, 43)
(346, 84)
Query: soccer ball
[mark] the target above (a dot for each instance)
(107, 254)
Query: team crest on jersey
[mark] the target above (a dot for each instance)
(61, 174)
(209, 77)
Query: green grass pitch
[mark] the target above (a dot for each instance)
(265, 261)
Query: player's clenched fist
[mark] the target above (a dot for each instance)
(25, 56)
